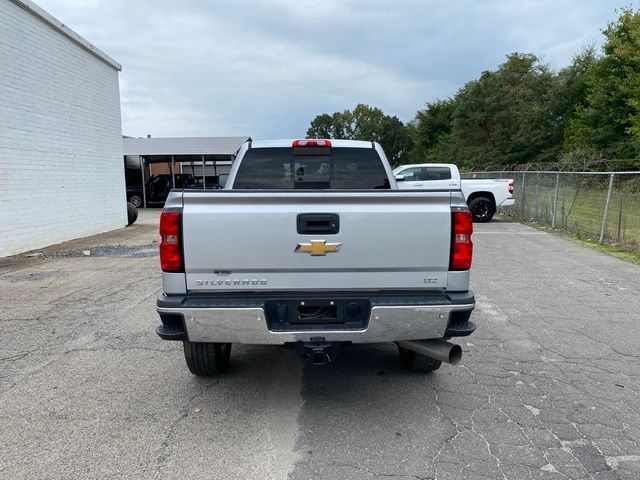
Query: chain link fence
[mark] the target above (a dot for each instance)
(602, 205)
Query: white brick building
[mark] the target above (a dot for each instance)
(61, 171)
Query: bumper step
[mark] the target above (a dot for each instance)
(461, 328)
(171, 332)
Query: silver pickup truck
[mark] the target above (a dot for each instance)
(312, 243)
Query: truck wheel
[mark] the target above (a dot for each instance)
(482, 208)
(205, 359)
(415, 362)
(132, 214)
(135, 199)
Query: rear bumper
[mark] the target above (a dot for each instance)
(509, 202)
(244, 319)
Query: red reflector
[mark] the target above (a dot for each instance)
(170, 252)
(462, 248)
(311, 143)
(511, 187)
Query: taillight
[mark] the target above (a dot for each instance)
(170, 251)
(510, 187)
(314, 142)
(461, 244)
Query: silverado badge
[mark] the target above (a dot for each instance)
(317, 247)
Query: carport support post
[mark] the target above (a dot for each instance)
(173, 172)
(555, 201)
(144, 183)
(606, 208)
(204, 180)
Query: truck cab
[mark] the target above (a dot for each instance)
(484, 197)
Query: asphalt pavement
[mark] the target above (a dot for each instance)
(548, 388)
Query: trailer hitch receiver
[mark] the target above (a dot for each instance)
(318, 352)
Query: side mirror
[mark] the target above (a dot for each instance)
(222, 180)
(399, 178)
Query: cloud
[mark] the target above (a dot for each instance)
(266, 68)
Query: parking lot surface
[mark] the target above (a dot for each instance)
(548, 388)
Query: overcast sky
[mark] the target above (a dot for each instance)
(267, 68)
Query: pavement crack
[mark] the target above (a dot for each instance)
(117, 349)
(449, 440)
(65, 298)
(380, 474)
(18, 356)
(489, 450)
(161, 454)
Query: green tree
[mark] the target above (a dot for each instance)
(365, 123)
(430, 127)
(573, 84)
(506, 117)
(338, 125)
(608, 119)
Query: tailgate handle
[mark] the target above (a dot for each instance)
(312, 223)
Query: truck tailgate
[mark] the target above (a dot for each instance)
(246, 241)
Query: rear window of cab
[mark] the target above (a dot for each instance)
(311, 168)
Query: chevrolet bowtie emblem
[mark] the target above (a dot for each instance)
(317, 247)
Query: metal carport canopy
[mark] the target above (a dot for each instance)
(218, 146)
(182, 150)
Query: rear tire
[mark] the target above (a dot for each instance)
(206, 359)
(482, 209)
(416, 362)
(132, 214)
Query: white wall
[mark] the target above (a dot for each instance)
(61, 168)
